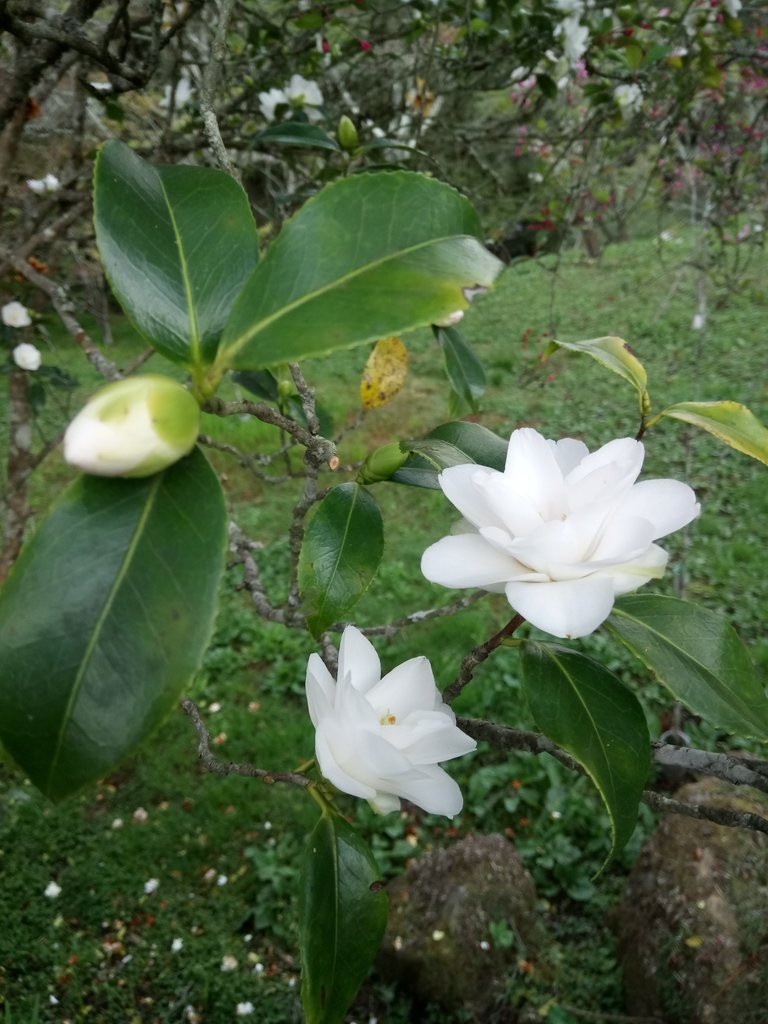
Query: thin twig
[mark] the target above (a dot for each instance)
(212, 764)
(392, 628)
(720, 765)
(478, 655)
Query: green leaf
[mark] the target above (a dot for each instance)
(587, 711)
(634, 56)
(105, 618)
(342, 916)
(342, 549)
(464, 369)
(615, 354)
(298, 133)
(177, 244)
(731, 422)
(547, 85)
(370, 256)
(698, 656)
(450, 444)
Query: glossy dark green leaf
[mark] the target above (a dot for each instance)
(370, 256)
(450, 444)
(342, 916)
(177, 244)
(547, 85)
(105, 618)
(731, 422)
(298, 133)
(698, 656)
(464, 369)
(587, 711)
(261, 383)
(342, 549)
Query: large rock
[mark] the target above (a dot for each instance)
(693, 928)
(438, 943)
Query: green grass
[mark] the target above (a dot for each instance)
(103, 947)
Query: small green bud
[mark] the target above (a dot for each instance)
(381, 464)
(347, 134)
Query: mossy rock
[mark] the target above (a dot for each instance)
(693, 932)
(439, 939)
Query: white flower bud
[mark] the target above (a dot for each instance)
(133, 428)
(27, 357)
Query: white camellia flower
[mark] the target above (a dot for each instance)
(382, 739)
(133, 428)
(13, 314)
(27, 357)
(561, 532)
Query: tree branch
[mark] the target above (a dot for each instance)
(477, 656)
(212, 764)
(722, 766)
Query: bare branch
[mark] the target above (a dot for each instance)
(65, 307)
(477, 656)
(416, 617)
(212, 764)
(208, 90)
(723, 766)
(320, 449)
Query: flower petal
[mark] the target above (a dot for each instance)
(358, 660)
(533, 471)
(407, 688)
(565, 608)
(667, 504)
(321, 689)
(462, 487)
(430, 737)
(332, 770)
(433, 790)
(466, 561)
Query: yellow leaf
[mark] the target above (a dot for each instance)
(384, 373)
(694, 941)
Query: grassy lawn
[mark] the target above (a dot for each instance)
(177, 896)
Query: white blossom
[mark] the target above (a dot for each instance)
(303, 92)
(27, 357)
(229, 963)
(52, 890)
(42, 186)
(268, 101)
(177, 945)
(574, 37)
(14, 314)
(151, 885)
(134, 427)
(561, 532)
(382, 739)
(628, 96)
(245, 1009)
(732, 7)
